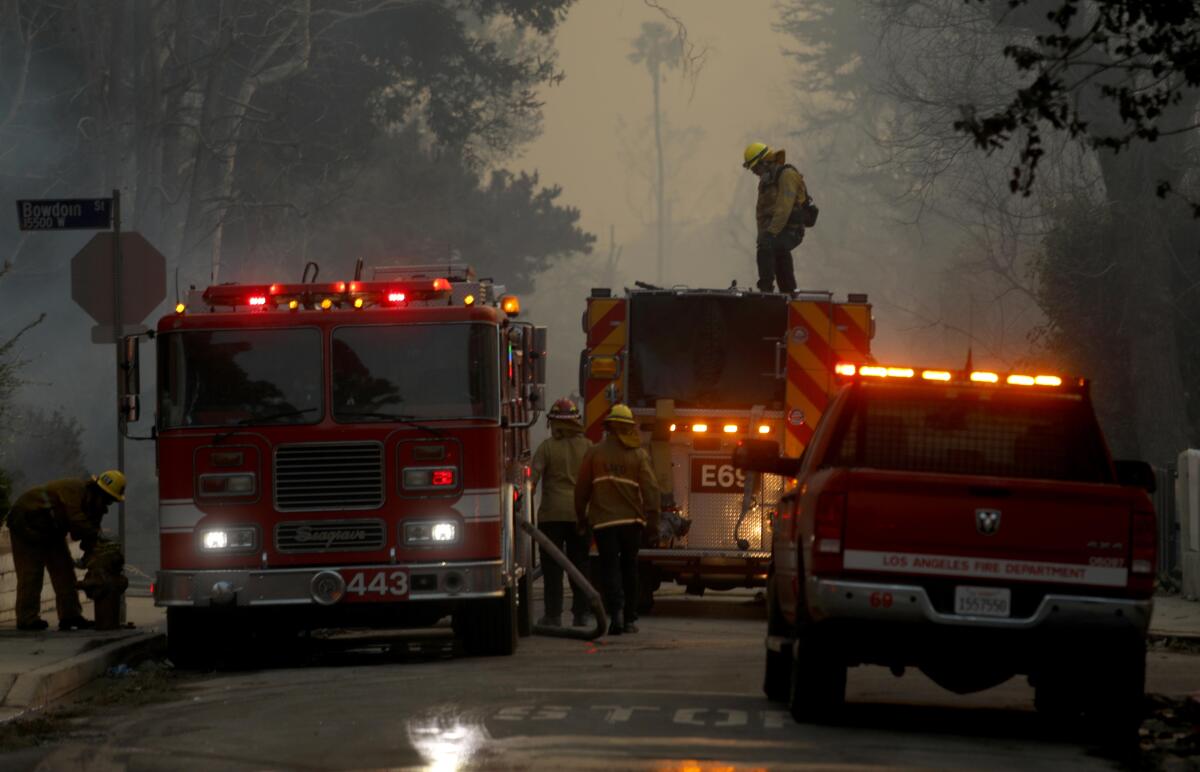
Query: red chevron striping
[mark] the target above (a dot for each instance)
(812, 391)
(803, 433)
(859, 338)
(599, 332)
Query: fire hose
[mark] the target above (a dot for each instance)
(594, 600)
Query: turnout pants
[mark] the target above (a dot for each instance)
(775, 265)
(34, 553)
(566, 538)
(618, 548)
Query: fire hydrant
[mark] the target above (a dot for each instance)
(105, 583)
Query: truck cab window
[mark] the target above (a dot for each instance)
(239, 377)
(415, 371)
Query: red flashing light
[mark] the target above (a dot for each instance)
(396, 297)
(440, 285)
(443, 478)
(273, 289)
(354, 286)
(339, 286)
(257, 300)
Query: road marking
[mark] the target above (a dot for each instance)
(668, 692)
(619, 714)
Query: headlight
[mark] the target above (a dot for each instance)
(430, 478)
(229, 539)
(430, 533)
(218, 485)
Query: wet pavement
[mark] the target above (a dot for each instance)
(681, 694)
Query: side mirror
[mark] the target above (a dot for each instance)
(1136, 474)
(535, 396)
(763, 456)
(131, 381)
(539, 354)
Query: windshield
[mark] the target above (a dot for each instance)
(239, 377)
(415, 371)
(959, 431)
(707, 351)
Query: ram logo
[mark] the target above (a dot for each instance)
(987, 521)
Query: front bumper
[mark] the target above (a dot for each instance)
(294, 586)
(834, 599)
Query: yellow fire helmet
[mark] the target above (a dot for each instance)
(755, 152)
(620, 414)
(112, 482)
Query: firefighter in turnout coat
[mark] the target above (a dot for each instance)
(39, 523)
(555, 464)
(617, 495)
(778, 215)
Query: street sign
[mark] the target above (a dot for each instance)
(66, 213)
(143, 278)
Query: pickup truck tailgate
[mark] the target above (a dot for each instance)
(995, 530)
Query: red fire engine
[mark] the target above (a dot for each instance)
(702, 369)
(345, 454)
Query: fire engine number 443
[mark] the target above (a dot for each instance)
(376, 584)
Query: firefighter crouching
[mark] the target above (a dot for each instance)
(555, 466)
(616, 493)
(39, 523)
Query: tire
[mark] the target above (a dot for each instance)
(488, 627)
(818, 682)
(777, 678)
(777, 675)
(648, 582)
(190, 639)
(525, 605)
(1117, 706)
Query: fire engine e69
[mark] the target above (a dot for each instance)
(346, 453)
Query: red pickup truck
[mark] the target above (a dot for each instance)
(969, 524)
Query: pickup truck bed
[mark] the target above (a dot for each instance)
(974, 531)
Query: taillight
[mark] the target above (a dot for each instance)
(828, 523)
(1143, 551)
(424, 478)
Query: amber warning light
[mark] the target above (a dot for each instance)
(982, 377)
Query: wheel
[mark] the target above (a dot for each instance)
(1116, 702)
(648, 582)
(190, 639)
(818, 682)
(525, 605)
(488, 627)
(777, 676)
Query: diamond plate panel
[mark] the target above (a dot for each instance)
(714, 515)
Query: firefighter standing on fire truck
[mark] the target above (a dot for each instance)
(555, 465)
(781, 194)
(39, 523)
(617, 494)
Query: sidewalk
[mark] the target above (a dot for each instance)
(1175, 617)
(38, 668)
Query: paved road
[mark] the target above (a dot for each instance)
(682, 694)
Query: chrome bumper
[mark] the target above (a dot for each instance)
(867, 601)
(294, 586)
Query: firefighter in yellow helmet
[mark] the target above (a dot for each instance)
(617, 494)
(778, 214)
(39, 523)
(555, 465)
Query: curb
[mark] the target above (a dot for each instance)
(38, 688)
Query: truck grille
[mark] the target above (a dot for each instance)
(330, 536)
(328, 476)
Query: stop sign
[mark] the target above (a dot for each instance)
(143, 278)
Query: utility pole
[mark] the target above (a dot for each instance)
(118, 329)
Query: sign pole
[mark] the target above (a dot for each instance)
(118, 329)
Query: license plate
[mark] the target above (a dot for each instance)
(983, 601)
(375, 584)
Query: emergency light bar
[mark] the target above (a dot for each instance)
(355, 294)
(985, 377)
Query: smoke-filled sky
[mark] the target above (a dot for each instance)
(596, 120)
